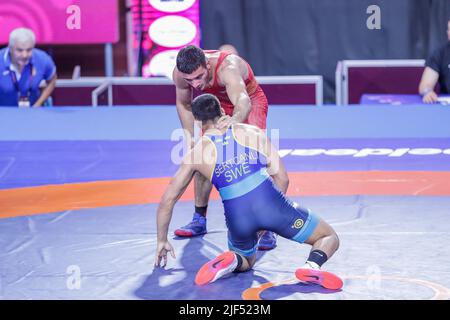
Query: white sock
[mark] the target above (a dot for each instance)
(311, 265)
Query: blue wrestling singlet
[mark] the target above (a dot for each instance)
(251, 199)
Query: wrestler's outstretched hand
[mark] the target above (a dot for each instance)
(162, 249)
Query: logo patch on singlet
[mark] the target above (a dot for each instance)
(298, 224)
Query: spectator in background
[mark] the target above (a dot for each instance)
(24, 70)
(437, 68)
(228, 48)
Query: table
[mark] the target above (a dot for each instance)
(399, 99)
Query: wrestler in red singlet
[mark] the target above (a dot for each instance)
(258, 113)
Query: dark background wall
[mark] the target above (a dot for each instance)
(306, 37)
(293, 37)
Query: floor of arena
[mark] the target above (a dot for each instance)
(79, 189)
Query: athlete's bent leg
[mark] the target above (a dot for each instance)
(222, 265)
(324, 238)
(325, 243)
(202, 190)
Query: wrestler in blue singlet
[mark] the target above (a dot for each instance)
(251, 199)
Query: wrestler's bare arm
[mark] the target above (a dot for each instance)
(231, 78)
(183, 103)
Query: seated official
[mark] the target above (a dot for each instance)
(24, 70)
(437, 68)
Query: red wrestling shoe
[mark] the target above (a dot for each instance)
(216, 268)
(324, 278)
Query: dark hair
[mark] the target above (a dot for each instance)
(190, 58)
(206, 107)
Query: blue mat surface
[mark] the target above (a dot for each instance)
(107, 253)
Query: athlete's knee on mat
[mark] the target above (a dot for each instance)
(245, 263)
(244, 244)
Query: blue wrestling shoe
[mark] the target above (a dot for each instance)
(195, 228)
(267, 241)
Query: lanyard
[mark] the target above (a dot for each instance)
(24, 93)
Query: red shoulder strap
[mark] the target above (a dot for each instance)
(222, 57)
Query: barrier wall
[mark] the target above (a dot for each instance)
(357, 77)
(300, 90)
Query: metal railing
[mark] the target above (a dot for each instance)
(101, 84)
(107, 85)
